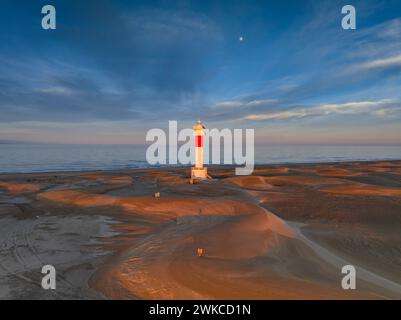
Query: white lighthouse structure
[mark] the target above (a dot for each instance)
(199, 171)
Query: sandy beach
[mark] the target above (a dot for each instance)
(282, 233)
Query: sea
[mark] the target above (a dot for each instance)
(25, 158)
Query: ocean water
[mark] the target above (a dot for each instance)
(49, 158)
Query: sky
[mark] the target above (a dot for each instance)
(112, 70)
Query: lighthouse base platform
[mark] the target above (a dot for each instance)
(198, 174)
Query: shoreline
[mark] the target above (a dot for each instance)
(179, 167)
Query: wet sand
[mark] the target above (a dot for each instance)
(282, 233)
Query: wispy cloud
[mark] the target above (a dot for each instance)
(382, 63)
(230, 104)
(378, 108)
(56, 91)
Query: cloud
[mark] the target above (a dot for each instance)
(128, 61)
(56, 91)
(171, 25)
(335, 61)
(389, 62)
(377, 108)
(230, 104)
(228, 110)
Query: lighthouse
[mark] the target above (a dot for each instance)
(199, 171)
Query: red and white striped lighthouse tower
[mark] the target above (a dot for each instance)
(199, 171)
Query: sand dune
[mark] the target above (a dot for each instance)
(78, 198)
(339, 173)
(365, 190)
(16, 187)
(304, 180)
(271, 170)
(249, 256)
(252, 182)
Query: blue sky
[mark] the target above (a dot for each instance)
(114, 69)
